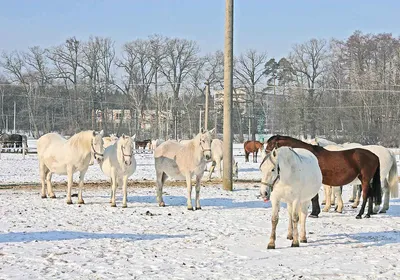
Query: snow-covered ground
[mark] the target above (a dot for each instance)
(48, 239)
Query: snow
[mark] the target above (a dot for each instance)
(227, 239)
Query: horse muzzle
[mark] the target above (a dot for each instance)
(128, 162)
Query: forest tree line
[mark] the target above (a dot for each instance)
(344, 90)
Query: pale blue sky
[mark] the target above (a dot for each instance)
(273, 26)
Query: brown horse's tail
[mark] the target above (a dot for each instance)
(376, 187)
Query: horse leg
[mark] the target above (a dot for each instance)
(125, 191)
(275, 218)
(198, 178)
(315, 207)
(69, 188)
(211, 170)
(365, 194)
(49, 186)
(246, 156)
(111, 196)
(114, 186)
(386, 193)
(255, 157)
(328, 193)
(219, 168)
(81, 176)
(295, 220)
(43, 173)
(334, 190)
(161, 177)
(290, 223)
(358, 196)
(340, 203)
(189, 191)
(303, 217)
(353, 194)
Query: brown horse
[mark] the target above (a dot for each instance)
(142, 144)
(252, 147)
(340, 168)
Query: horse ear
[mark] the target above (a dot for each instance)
(274, 152)
(94, 133)
(123, 136)
(212, 130)
(101, 133)
(133, 137)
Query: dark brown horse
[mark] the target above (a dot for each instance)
(142, 144)
(252, 147)
(340, 168)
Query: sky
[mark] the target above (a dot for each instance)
(264, 25)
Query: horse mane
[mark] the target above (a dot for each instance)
(80, 139)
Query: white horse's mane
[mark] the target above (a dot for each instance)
(80, 140)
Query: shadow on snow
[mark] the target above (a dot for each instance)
(72, 235)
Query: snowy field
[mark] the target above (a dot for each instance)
(227, 239)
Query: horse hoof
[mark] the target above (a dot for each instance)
(313, 216)
(290, 237)
(44, 196)
(382, 211)
(53, 196)
(374, 213)
(198, 208)
(323, 203)
(161, 204)
(81, 201)
(340, 212)
(353, 206)
(367, 216)
(303, 241)
(325, 210)
(113, 205)
(295, 244)
(69, 201)
(351, 200)
(190, 208)
(358, 217)
(271, 246)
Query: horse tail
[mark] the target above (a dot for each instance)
(393, 178)
(376, 187)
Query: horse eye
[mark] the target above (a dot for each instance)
(273, 169)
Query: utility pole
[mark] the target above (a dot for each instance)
(200, 120)
(228, 81)
(207, 93)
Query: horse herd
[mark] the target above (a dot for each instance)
(292, 170)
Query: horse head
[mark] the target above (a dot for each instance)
(97, 145)
(204, 141)
(270, 174)
(125, 145)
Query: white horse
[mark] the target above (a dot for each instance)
(292, 176)
(119, 164)
(58, 155)
(109, 140)
(217, 151)
(388, 174)
(155, 143)
(182, 161)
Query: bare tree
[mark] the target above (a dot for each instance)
(181, 58)
(66, 59)
(308, 60)
(139, 72)
(250, 70)
(157, 46)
